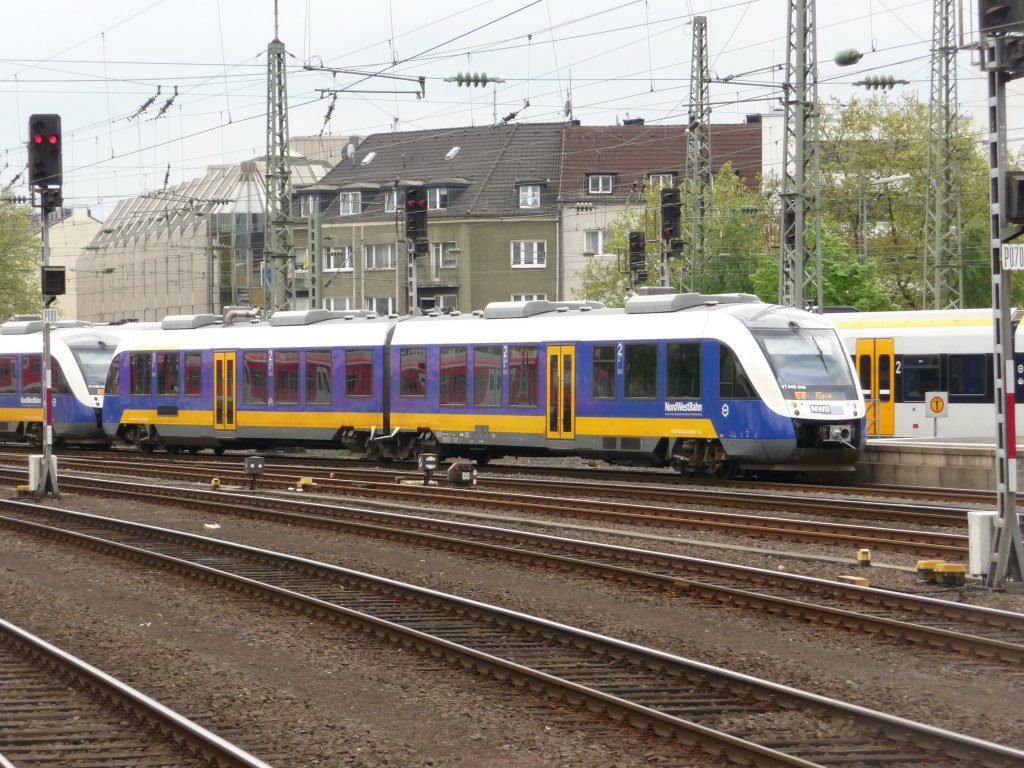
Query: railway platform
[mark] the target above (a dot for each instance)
(932, 462)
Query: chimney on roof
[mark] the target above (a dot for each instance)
(751, 119)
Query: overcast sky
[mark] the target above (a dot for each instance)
(98, 63)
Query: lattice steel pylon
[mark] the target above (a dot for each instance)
(277, 249)
(943, 258)
(698, 188)
(799, 274)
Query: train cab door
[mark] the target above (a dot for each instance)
(876, 370)
(561, 424)
(224, 381)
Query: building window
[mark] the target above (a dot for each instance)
(338, 257)
(529, 196)
(445, 254)
(350, 203)
(338, 303)
(600, 183)
(452, 153)
(299, 258)
(382, 305)
(380, 256)
(529, 297)
(390, 201)
(659, 180)
(307, 205)
(437, 198)
(528, 253)
(593, 241)
(446, 302)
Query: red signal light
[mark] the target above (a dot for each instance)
(53, 139)
(37, 139)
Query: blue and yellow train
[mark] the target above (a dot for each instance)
(708, 384)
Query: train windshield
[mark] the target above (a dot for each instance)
(811, 361)
(93, 361)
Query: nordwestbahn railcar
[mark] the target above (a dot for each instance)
(707, 384)
(80, 356)
(928, 374)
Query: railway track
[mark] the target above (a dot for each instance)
(750, 720)
(56, 709)
(937, 624)
(923, 543)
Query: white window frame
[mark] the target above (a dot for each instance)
(350, 203)
(390, 201)
(661, 180)
(378, 303)
(529, 195)
(446, 254)
(594, 241)
(600, 183)
(338, 258)
(529, 297)
(446, 302)
(299, 258)
(437, 198)
(307, 205)
(338, 303)
(379, 255)
(531, 254)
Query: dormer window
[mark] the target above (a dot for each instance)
(660, 180)
(437, 198)
(529, 195)
(600, 183)
(350, 203)
(390, 204)
(307, 205)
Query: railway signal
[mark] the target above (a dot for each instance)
(416, 219)
(44, 151)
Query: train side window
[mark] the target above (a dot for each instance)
(605, 382)
(31, 375)
(358, 372)
(487, 380)
(523, 376)
(167, 364)
(967, 374)
(60, 382)
(8, 375)
(454, 374)
(286, 376)
(193, 373)
(413, 371)
(682, 370)
(319, 374)
(112, 386)
(254, 374)
(733, 383)
(641, 371)
(140, 373)
(920, 375)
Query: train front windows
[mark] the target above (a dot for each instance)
(454, 375)
(318, 377)
(167, 373)
(112, 386)
(733, 383)
(140, 373)
(604, 372)
(523, 370)
(641, 371)
(286, 376)
(8, 375)
(193, 374)
(413, 371)
(358, 372)
(254, 375)
(809, 363)
(93, 362)
(968, 375)
(487, 380)
(920, 375)
(682, 371)
(31, 375)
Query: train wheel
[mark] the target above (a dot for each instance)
(726, 470)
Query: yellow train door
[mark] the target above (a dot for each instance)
(224, 379)
(876, 370)
(561, 422)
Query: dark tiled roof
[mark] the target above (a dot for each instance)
(482, 176)
(632, 152)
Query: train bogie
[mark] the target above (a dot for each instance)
(704, 384)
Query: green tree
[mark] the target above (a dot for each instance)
(19, 260)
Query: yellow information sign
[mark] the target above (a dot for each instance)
(936, 402)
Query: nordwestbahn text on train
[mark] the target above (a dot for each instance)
(708, 384)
